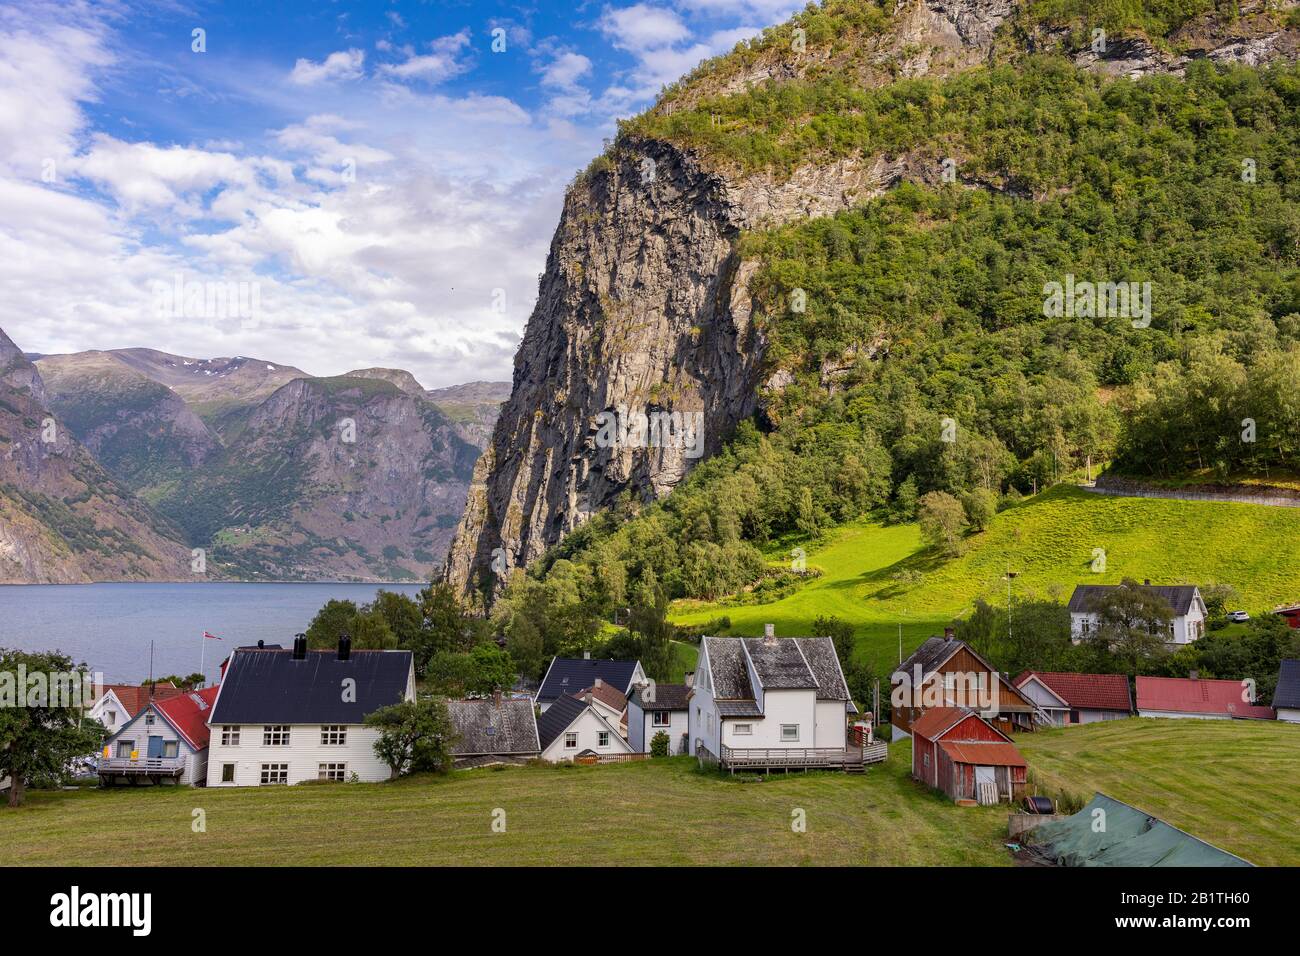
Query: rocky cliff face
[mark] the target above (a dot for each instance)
(643, 305)
(63, 518)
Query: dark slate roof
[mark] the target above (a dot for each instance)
(491, 727)
(779, 664)
(728, 673)
(931, 654)
(568, 675)
(557, 719)
(270, 687)
(666, 697)
(824, 663)
(1288, 685)
(738, 708)
(1085, 598)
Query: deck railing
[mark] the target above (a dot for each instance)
(156, 765)
(803, 756)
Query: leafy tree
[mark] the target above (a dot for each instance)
(942, 520)
(414, 736)
(330, 623)
(981, 505)
(370, 631)
(40, 741)
(659, 744)
(402, 615)
(1218, 599)
(1132, 624)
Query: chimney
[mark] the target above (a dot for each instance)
(496, 697)
(769, 633)
(261, 645)
(345, 646)
(586, 655)
(1193, 675)
(689, 679)
(949, 633)
(300, 647)
(599, 682)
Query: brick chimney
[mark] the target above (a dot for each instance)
(949, 633)
(769, 634)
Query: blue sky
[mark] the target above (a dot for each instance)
(385, 179)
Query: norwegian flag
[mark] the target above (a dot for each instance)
(211, 637)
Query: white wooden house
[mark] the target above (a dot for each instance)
(773, 702)
(167, 740)
(572, 728)
(118, 703)
(288, 716)
(1186, 626)
(659, 708)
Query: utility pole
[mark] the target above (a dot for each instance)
(1011, 575)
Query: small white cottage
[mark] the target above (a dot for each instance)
(572, 728)
(1187, 625)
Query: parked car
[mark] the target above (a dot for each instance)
(1238, 617)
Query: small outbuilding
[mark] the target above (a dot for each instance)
(957, 751)
(494, 731)
(1286, 696)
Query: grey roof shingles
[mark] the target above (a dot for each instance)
(666, 697)
(779, 664)
(789, 663)
(728, 674)
(1085, 598)
(270, 687)
(824, 663)
(492, 727)
(933, 652)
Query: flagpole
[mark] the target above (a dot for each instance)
(203, 648)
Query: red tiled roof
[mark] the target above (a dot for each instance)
(1184, 695)
(938, 719)
(188, 713)
(135, 697)
(1088, 691)
(983, 754)
(607, 694)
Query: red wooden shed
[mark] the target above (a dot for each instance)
(957, 751)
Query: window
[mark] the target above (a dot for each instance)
(112, 717)
(661, 718)
(148, 719)
(789, 733)
(332, 771)
(925, 759)
(742, 730)
(227, 773)
(124, 747)
(171, 748)
(571, 741)
(603, 739)
(229, 736)
(275, 735)
(275, 773)
(333, 735)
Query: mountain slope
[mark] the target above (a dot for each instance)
(690, 273)
(63, 519)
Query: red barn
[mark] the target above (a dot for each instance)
(1291, 614)
(957, 751)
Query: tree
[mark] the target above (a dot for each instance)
(1132, 623)
(942, 519)
(414, 736)
(1217, 599)
(491, 669)
(42, 732)
(857, 676)
(659, 744)
(980, 505)
(402, 615)
(330, 623)
(370, 631)
(193, 680)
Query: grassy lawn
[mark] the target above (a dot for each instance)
(880, 576)
(656, 812)
(1229, 782)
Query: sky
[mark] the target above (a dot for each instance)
(325, 185)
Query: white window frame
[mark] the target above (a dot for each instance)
(333, 735)
(333, 771)
(789, 740)
(223, 773)
(230, 735)
(171, 745)
(571, 740)
(274, 774)
(666, 721)
(602, 738)
(742, 730)
(275, 735)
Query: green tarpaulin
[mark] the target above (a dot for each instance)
(1109, 833)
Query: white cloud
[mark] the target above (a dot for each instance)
(642, 26)
(341, 65)
(442, 62)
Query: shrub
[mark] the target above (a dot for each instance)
(659, 745)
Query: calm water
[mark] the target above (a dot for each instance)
(109, 626)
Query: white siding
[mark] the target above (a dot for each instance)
(304, 754)
(1288, 714)
(1172, 713)
(138, 730)
(641, 730)
(108, 710)
(588, 727)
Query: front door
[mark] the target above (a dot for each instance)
(155, 747)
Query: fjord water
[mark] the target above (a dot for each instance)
(109, 626)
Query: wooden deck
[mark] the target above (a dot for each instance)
(852, 758)
(153, 769)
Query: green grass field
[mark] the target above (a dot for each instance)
(1049, 540)
(1229, 782)
(657, 812)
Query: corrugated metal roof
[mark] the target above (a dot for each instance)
(557, 719)
(984, 754)
(1184, 695)
(1287, 693)
(270, 687)
(568, 675)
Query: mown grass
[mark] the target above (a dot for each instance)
(657, 812)
(1231, 783)
(880, 576)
